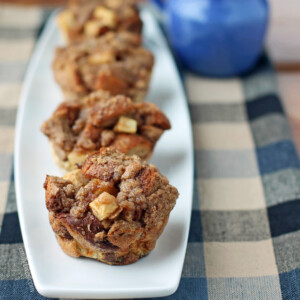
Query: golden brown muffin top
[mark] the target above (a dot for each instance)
(113, 62)
(113, 201)
(85, 19)
(101, 120)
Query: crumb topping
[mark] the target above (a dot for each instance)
(85, 19)
(84, 127)
(113, 201)
(114, 62)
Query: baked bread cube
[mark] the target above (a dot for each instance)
(78, 128)
(115, 62)
(84, 19)
(113, 209)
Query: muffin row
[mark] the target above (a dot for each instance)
(112, 206)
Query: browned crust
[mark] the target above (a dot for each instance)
(70, 247)
(133, 144)
(78, 246)
(104, 112)
(139, 250)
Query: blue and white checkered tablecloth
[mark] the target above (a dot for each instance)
(244, 240)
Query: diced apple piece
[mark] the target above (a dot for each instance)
(76, 177)
(126, 125)
(66, 19)
(92, 28)
(104, 206)
(101, 58)
(106, 16)
(76, 158)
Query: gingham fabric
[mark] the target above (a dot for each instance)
(244, 240)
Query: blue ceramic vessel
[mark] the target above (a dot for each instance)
(216, 37)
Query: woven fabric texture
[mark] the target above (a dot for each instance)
(244, 241)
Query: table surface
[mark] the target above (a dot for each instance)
(283, 46)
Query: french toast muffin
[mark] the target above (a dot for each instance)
(89, 19)
(113, 209)
(115, 62)
(78, 128)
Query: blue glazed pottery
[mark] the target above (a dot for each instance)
(216, 37)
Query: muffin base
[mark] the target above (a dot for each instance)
(78, 246)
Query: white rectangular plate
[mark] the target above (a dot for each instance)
(54, 273)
